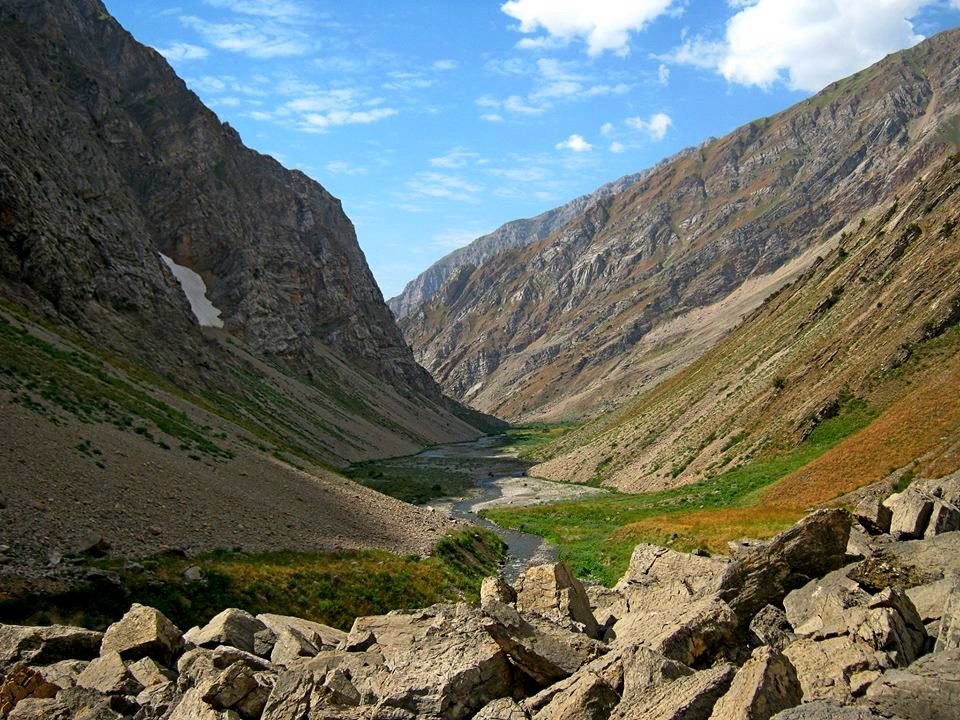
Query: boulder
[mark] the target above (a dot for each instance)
(688, 698)
(770, 627)
(644, 669)
(323, 637)
(838, 668)
(826, 710)
(766, 684)
(108, 675)
(37, 709)
(263, 642)
(553, 592)
(821, 608)
(77, 704)
(911, 513)
(44, 645)
(143, 632)
(156, 700)
(763, 576)
(930, 599)
(290, 646)
(232, 627)
(873, 515)
(653, 564)
(497, 589)
(192, 707)
(927, 690)
(502, 709)
(588, 697)
(538, 645)
(63, 674)
(23, 683)
(948, 633)
(944, 518)
(238, 686)
(148, 672)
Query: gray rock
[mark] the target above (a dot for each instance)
(927, 690)
(93, 545)
(588, 697)
(502, 709)
(194, 574)
(644, 669)
(232, 627)
(930, 599)
(948, 633)
(874, 515)
(156, 700)
(766, 684)
(45, 645)
(108, 675)
(835, 668)
(23, 683)
(143, 632)
(826, 710)
(655, 564)
(552, 591)
(264, 642)
(290, 646)
(334, 679)
(688, 698)
(771, 627)
(911, 513)
(322, 636)
(944, 518)
(497, 589)
(63, 674)
(192, 707)
(821, 608)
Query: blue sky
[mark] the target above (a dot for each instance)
(437, 121)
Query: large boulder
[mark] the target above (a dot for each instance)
(232, 627)
(44, 645)
(688, 698)
(766, 684)
(554, 592)
(496, 589)
(224, 680)
(911, 513)
(63, 674)
(927, 690)
(143, 632)
(944, 518)
(873, 515)
(108, 675)
(770, 627)
(652, 564)
(588, 697)
(839, 668)
(502, 709)
(323, 637)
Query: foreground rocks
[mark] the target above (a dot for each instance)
(783, 629)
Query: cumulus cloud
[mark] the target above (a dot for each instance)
(492, 117)
(183, 51)
(260, 42)
(605, 25)
(575, 143)
(655, 126)
(617, 147)
(805, 45)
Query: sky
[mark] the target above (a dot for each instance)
(436, 121)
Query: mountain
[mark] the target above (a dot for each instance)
(181, 317)
(648, 278)
(516, 234)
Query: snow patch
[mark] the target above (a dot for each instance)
(196, 291)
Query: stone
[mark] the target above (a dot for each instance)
(108, 675)
(911, 513)
(322, 636)
(23, 683)
(894, 626)
(231, 686)
(156, 700)
(45, 645)
(552, 591)
(948, 633)
(770, 627)
(652, 563)
(588, 697)
(63, 674)
(502, 709)
(874, 515)
(538, 645)
(927, 690)
(826, 710)
(821, 608)
(860, 545)
(194, 574)
(37, 709)
(143, 632)
(93, 545)
(263, 642)
(930, 599)
(608, 605)
(148, 672)
(291, 645)
(944, 518)
(498, 589)
(192, 707)
(766, 684)
(810, 549)
(643, 669)
(688, 698)
(824, 667)
(233, 627)
(335, 678)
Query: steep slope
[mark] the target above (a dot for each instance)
(516, 234)
(870, 329)
(651, 277)
(107, 161)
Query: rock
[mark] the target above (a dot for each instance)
(771, 627)
(36, 709)
(927, 690)
(608, 605)
(63, 674)
(930, 599)
(502, 709)
(108, 675)
(148, 672)
(685, 633)
(538, 645)
(290, 646)
(194, 574)
(825, 710)
(552, 591)
(335, 678)
(874, 515)
(231, 686)
(498, 589)
(156, 700)
(765, 685)
(644, 669)
(192, 707)
(860, 545)
(948, 634)
(652, 563)
(93, 545)
(589, 697)
(322, 636)
(911, 513)
(232, 627)
(143, 632)
(23, 683)
(820, 608)
(894, 625)
(45, 645)
(944, 518)
(264, 642)
(825, 667)
(810, 549)
(688, 698)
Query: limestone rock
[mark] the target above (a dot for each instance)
(821, 608)
(148, 672)
(108, 675)
(44, 645)
(323, 637)
(589, 697)
(497, 589)
(930, 599)
(233, 627)
(944, 517)
(927, 690)
(552, 591)
(291, 645)
(644, 669)
(688, 698)
(143, 632)
(156, 700)
(63, 674)
(22, 683)
(826, 667)
(652, 563)
(826, 710)
(765, 685)
(37, 709)
(948, 634)
(911, 513)
(874, 515)
(192, 707)
(771, 627)
(502, 709)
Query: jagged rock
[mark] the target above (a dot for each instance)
(336, 678)
(76, 704)
(765, 685)
(22, 683)
(233, 627)
(322, 636)
(927, 690)
(810, 549)
(44, 645)
(291, 645)
(502, 709)
(688, 698)
(607, 604)
(589, 697)
(264, 642)
(944, 518)
(497, 589)
(835, 668)
(930, 598)
(539, 646)
(148, 672)
(63, 674)
(684, 633)
(911, 513)
(143, 632)
(36, 709)
(93, 545)
(644, 668)
(654, 564)
(192, 707)
(948, 633)
(860, 545)
(108, 675)
(825, 710)
(820, 608)
(156, 700)
(894, 626)
(232, 686)
(552, 591)
(771, 627)
(874, 515)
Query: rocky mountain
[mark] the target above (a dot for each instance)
(516, 234)
(650, 277)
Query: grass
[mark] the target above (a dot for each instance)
(596, 536)
(331, 588)
(527, 439)
(413, 479)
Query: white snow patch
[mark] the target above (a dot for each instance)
(196, 291)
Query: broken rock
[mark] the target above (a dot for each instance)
(233, 627)
(143, 632)
(765, 685)
(553, 592)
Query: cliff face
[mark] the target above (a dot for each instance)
(107, 160)
(647, 279)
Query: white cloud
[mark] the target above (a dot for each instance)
(323, 101)
(456, 158)
(407, 81)
(286, 10)
(607, 129)
(616, 147)
(805, 45)
(179, 51)
(655, 126)
(453, 239)
(317, 122)
(445, 65)
(230, 102)
(575, 143)
(492, 117)
(340, 167)
(603, 24)
(663, 73)
(261, 42)
(440, 185)
(517, 104)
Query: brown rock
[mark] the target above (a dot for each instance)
(771, 627)
(826, 710)
(588, 697)
(552, 591)
(45, 645)
(948, 634)
(143, 632)
(874, 515)
(911, 513)
(502, 709)
(63, 674)
(108, 675)
(232, 627)
(323, 637)
(498, 589)
(23, 683)
(927, 690)
(688, 698)
(764, 686)
(148, 672)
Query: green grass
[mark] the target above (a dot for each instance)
(527, 439)
(332, 588)
(588, 533)
(411, 479)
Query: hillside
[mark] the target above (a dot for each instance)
(649, 278)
